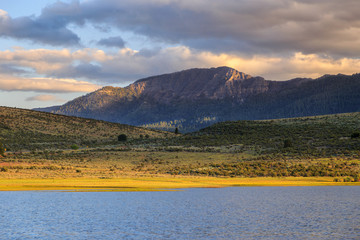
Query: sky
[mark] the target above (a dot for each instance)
(54, 51)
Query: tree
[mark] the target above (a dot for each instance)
(355, 135)
(122, 138)
(2, 149)
(287, 143)
(176, 131)
(74, 147)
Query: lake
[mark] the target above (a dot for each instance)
(213, 213)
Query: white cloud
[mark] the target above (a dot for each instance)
(11, 83)
(131, 64)
(89, 68)
(3, 15)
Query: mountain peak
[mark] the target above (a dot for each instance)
(224, 71)
(198, 97)
(190, 84)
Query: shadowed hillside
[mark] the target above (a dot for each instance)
(27, 129)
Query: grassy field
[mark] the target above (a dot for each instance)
(158, 183)
(300, 151)
(115, 162)
(138, 169)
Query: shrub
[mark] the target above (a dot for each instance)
(287, 143)
(74, 147)
(355, 135)
(357, 178)
(2, 149)
(348, 179)
(122, 138)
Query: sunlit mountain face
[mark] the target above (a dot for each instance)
(196, 98)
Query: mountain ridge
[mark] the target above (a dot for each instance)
(192, 97)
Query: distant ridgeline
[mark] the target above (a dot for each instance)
(196, 98)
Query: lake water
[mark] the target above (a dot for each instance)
(225, 213)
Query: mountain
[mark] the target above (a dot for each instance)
(195, 98)
(27, 129)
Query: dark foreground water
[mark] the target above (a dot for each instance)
(227, 213)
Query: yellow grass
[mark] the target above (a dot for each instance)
(158, 183)
(100, 170)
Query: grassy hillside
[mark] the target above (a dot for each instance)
(327, 135)
(323, 146)
(22, 129)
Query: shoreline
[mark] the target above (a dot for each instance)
(160, 183)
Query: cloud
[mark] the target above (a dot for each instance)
(131, 65)
(264, 27)
(277, 40)
(45, 98)
(48, 85)
(243, 26)
(47, 70)
(53, 63)
(112, 42)
(48, 30)
(6, 68)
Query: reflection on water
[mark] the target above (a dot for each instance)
(227, 213)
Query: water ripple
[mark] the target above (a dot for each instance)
(227, 213)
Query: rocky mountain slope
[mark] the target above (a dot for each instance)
(196, 98)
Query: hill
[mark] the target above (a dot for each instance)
(327, 146)
(22, 129)
(196, 98)
(318, 136)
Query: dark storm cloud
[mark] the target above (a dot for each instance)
(254, 27)
(87, 71)
(251, 27)
(43, 30)
(112, 42)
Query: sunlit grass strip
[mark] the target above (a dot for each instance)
(159, 183)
